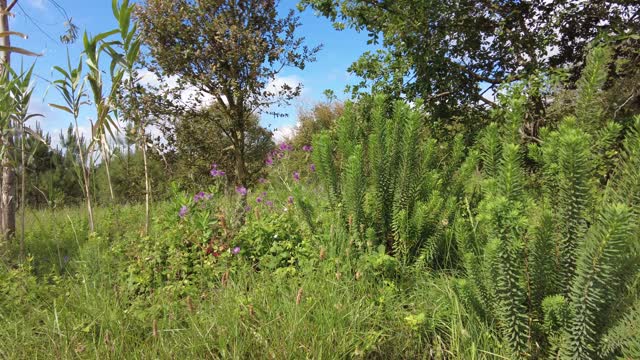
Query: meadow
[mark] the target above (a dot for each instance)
(477, 198)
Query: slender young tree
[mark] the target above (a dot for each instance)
(71, 87)
(8, 192)
(22, 92)
(130, 104)
(232, 50)
(104, 103)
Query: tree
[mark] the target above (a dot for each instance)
(445, 52)
(71, 87)
(322, 116)
(131, 92)
(231, 50)
(194, 143)
(8, 201)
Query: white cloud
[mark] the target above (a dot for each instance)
(190, 95)
(38, 4)
(276, 84)
(284, 133)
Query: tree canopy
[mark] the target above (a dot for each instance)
(448, 52)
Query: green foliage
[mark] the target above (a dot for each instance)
(391, 180)
(354, 186)
(275, 242)
(624, 337)
(447, 53)
(560, 262)
(194, 142)
(575, 174)
(323, 159)
(255, 55)
(589, 107)
(606, 244)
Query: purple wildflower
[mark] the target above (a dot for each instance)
(183, 211)
(290, 199)
(235, 250)
(262, 180)
(247, 208)
(269, 203)
(312, 167)
(241, 190)
(285, 147)
(268, 160)
(307, 148)
(259, 199)
(201, 196)
(215, 172)
(296, 176)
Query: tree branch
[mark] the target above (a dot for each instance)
(13, 3)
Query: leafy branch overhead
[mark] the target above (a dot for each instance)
(432, 47)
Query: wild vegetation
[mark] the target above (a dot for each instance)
(417, 220)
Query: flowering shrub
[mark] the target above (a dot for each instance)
(195, 250)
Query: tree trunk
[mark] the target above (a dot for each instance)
(23, 205)
(241, 178)
(105, 158)
(7, 198)
(85, 179)
(147, 185)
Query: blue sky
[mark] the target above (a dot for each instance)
(44, 23)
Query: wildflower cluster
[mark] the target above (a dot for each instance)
(279, 153)
(215, 172)
(262, 199)
(201, 196)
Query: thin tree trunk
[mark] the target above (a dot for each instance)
(23, 207)
(85, 178)
(241, 173)
(7, 197)
(147, 185)
(105, 158)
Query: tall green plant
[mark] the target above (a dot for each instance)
(130, 106)
(105, 125)
(21, 93)
(553, 276)
(383, 173)
(71, 88)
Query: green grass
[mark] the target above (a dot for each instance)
(71, 300)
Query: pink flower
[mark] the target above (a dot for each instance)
(241, 190)
(296, 176)
(235, 250)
